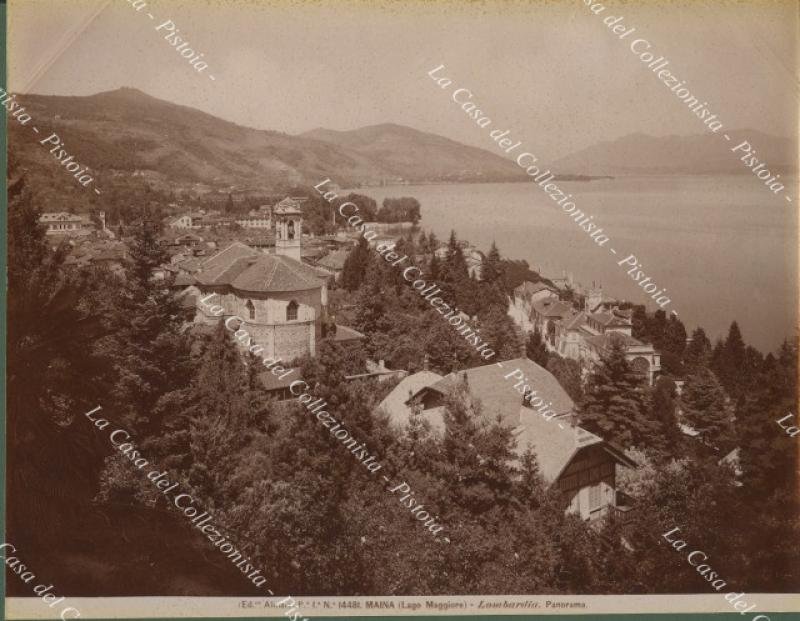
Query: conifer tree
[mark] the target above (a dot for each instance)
(615, 404)
(535, 348)
(454, 275)
(639, 321)
(52, 378)
(434, 269)
(698, 352)
(477, 456)
(492, 270)
(148, 351)
(433, 242)
(673, 344)
(355, 266)
(664, 412)
(371, 311)
(703, 406)
(502, 334)
(768, 454)
(729, 362)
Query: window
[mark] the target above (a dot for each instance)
(291, 311)
(290, 229)
(251, 309)
(594, 497)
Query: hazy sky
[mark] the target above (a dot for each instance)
(552, 72)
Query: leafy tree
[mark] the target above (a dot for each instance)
(367, 207)
(399, 210)
(662, 498)
(615, 404)
(568, 374)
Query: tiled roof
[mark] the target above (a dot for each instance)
(602, 342)
(335, 260)
(190, 265)
(554, 442)
(219, 263)
(61, 216)
(395, 403)
(610, 319)
(343, 333)
(552, 308)
(499, 398)
(575, 321)
(530, 288)
(246, 269)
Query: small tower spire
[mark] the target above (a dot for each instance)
(288, 228)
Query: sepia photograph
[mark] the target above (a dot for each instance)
(349, 308)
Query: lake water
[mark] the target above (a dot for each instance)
(724, 247)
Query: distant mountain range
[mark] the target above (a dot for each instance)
(415, 155)
(127, 132)
(700, 154)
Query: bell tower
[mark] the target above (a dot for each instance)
(288, 228)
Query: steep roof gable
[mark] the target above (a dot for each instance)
(499, 399)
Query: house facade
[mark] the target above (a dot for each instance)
(582, 335)
(255, 220)
(571, 459)
(63, 223)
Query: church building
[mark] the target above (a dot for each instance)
(281, 302)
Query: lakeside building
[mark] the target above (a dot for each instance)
(69, 224)
(255, 219)
(570, 458)
(584, 336)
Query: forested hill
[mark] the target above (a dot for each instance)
(417, 155)
(123, 131)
